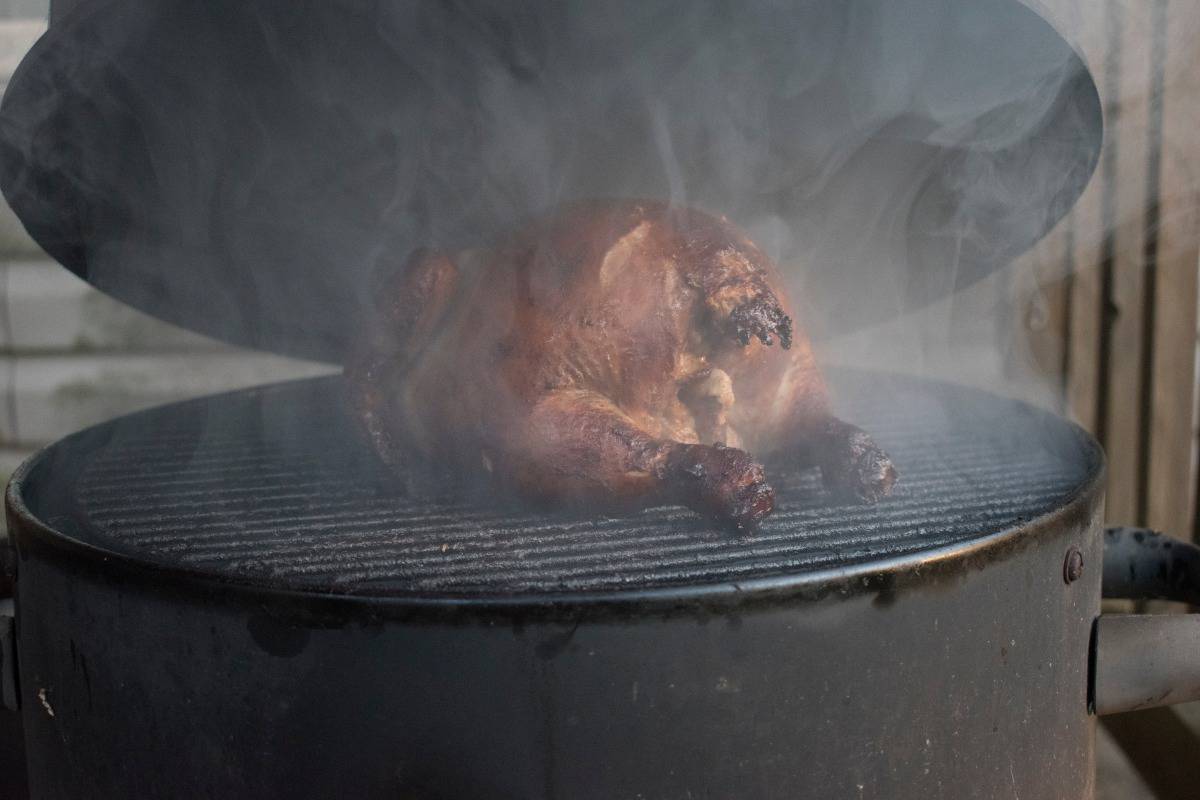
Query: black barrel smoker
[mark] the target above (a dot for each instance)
(229, 598)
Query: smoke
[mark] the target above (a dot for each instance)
(1013, 332)
(245, 169)
(239, 168)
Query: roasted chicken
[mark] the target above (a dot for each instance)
(618, 355)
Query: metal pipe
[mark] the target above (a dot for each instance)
(1147, 660)
(1141, 564)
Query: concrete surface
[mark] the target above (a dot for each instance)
(47, 309)
(48, 396)
(1115, 776)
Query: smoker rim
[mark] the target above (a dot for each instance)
(884, 577)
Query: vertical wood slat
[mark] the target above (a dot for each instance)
(1171, 484)
(1084, 247)
(1039, 347)
(1128, 81)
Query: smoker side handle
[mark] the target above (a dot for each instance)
(1146, 660)
(9, 698)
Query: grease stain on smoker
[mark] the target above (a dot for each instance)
(79, 662)
(276, 638)
(555, 644)
(885, 586)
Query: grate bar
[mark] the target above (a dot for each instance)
(279, 486)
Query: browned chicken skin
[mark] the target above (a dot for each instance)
(618, 355)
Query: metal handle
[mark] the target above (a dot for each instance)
(1146, 660)
(8, 640)
(8, 566)
(9, 698)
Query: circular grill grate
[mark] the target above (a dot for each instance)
(273, 484)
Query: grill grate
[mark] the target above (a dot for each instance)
(273, 484)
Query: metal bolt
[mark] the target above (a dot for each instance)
(1073, 565)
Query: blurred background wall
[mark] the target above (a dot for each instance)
(70, 356)
(1108, 301)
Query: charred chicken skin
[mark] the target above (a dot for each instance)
(618, 355)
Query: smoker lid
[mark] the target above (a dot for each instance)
(236, 167)
(270, 488)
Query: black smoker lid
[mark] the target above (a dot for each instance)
(270, 488)
(236, 167)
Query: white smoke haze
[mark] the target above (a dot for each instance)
(267, 152)
(241, 168)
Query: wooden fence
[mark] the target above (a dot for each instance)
(1110, 301)
(1110, 296)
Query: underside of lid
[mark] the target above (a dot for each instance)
(238, 168)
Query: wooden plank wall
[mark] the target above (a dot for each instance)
(1110, 295)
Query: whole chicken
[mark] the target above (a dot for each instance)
(618, 355)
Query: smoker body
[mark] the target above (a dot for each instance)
(957, 670)
(969, 682)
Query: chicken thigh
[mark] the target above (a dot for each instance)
(617, 355)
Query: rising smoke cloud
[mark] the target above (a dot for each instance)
(241, 168)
